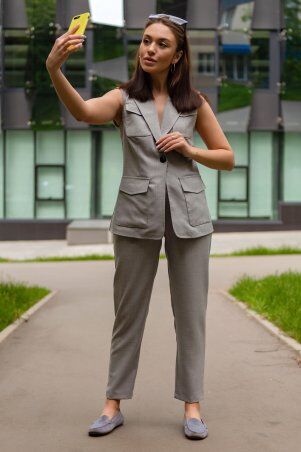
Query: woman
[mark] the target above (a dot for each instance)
(161, 193)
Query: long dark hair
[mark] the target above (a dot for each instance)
(183, 96)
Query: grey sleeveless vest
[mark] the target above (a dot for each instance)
(147, 173)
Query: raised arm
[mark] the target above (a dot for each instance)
(103, 109)
(93, 111)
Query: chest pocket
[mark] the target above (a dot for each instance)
(196, 202)
(186, 123)
(135, 125)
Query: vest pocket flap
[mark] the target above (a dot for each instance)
(132, 107)
(193, 183)
(134, 185)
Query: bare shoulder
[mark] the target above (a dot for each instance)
(204, 101)
(204, 110)
(208, 127)
(102, 109)
(114, 96)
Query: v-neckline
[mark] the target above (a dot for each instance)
(149, 112)
(163, 114)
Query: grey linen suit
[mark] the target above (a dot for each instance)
(157, 199)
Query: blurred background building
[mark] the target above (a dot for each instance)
(246, 56)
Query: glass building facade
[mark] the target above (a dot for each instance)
(246, 57)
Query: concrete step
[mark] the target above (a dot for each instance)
(83, 232)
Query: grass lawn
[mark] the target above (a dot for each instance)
(277, 297)
(16, 298)
(254, 251)
(262, 251)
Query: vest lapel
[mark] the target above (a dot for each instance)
(149, 112)
(169, 117)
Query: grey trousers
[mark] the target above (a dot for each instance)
(136, 264)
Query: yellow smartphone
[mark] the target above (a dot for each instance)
(82, 20)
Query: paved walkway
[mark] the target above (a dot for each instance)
(53, 371)
(221, 243)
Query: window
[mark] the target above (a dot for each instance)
(206, 63)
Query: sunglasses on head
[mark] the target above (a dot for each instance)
(175, 19)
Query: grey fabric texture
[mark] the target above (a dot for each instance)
(136, 263)
(140, 205)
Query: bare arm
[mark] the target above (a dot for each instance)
(67, 94)
(219, 154)
(98, 110)
(93, 111)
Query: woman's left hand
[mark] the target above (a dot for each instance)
(174, 141)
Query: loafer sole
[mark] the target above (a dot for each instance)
(194, 435)
(100, 433)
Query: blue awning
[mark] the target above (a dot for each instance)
(227, 4)
(236, 48)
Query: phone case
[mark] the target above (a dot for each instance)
(81, 19)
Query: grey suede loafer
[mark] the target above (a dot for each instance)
(195, 428)
(104, 424)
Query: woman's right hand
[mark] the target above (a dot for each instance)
(60, 52)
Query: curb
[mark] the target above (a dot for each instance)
(273, 329)
(26, 315)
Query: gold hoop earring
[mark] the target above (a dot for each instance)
(173, 68)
